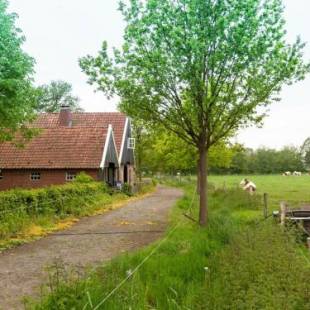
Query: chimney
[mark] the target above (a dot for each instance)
(65, 116)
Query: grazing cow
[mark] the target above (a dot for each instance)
(297, 173)
(287, 173)
(248, 186)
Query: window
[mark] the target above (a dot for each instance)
(1, 175)
(131, 143)
(35, 176)
(70, 176)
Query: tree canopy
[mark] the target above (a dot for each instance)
(17, 95)
(56, 94)
(305, 151)
(200, 68)
(159, 150)
(266, 161)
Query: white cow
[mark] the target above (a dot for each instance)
(297, 173)
(248, 186)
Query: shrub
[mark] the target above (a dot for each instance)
(83, 178)
(126, 189)
(19, 207)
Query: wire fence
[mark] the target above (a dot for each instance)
(136, 269)
(47, 205)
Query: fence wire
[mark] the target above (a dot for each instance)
(155, 249)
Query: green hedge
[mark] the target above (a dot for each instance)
(19, 207)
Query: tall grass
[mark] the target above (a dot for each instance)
(250, 265)
(261, 268)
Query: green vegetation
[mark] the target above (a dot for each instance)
(202, 69)
(266, 160)
(305, 151)
(160, 151)
(252, 264)
(28, 213)
(17, 94)
(293, 189)
(56, 94)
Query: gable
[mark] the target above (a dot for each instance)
(110, 151)
(126, 154)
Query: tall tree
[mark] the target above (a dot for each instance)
(266, 161)
(56, 94)
(305, 151)
(201, 68)
(17, 95)
(159, 150)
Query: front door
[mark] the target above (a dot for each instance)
(125, 174)
(111, 174)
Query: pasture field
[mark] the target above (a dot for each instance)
(293, 189)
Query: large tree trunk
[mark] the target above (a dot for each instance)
(203, 205)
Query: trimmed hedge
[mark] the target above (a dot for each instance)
(20, 207)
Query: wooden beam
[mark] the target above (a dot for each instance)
(265, 205)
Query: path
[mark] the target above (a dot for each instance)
(23, 269)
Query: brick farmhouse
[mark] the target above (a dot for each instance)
(98, 144)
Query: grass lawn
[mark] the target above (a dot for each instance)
(251, 264)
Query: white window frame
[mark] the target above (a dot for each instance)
(70, 176)
(35, 176)
(131, 143)
(1, 175)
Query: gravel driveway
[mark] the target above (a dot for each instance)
(23, 269)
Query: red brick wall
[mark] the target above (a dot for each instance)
(21, 178)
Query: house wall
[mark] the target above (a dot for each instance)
(127, 155)
(21, 178)
(131, 174)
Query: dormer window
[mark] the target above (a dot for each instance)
(35, 176)
(131, 143)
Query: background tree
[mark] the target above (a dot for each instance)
(143, 145)
(242, 161)
(161, 151)
(305, 151)
(56, 94)
(17, 95)
(266, 161)
(200, 68)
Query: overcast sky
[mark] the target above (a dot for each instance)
(59, 32)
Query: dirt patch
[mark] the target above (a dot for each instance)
(89, 242)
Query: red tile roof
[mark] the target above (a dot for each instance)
(79, 146)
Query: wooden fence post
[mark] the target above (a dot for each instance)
(283, 212)
(265, 205)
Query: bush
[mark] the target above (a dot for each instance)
(126, 189)
(83, 178)
(19, 208)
